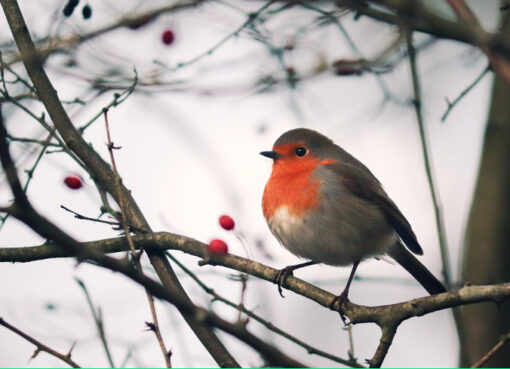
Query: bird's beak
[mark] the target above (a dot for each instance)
(270, 154)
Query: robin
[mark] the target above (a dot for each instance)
(324, 205)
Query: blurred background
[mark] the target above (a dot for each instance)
(217, 84)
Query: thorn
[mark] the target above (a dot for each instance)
(71, 350)
(150, 327)
(36, 352)
(80, 282)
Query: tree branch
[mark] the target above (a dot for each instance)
(502, 342)
(356, 313)
(464, 92)
(98, 321)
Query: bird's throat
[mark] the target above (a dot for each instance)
(296, 190)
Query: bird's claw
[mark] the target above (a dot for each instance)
(280, 278)
(341, 299)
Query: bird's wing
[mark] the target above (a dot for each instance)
(358, 179)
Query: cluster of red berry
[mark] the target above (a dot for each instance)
(218, 246)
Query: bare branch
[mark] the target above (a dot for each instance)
(98, 320)
(503, 340)
(453, 103)
(40, 346)
(125, 227)
(440, 224)
(167, 241)
(441, 231)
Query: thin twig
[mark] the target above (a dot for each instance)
(98, 320)
(129, 21)
(250, 19)
(40, 346)
(118, 98)
(387, 95)
(135, 255)
(30, 172)
(502, 341)
(441, 231)
(157, 331)
(109, 222)
(452, 104)
(32, 140)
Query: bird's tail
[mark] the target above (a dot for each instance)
(416, 269)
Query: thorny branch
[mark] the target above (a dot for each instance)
(135, 256)
(40, 346)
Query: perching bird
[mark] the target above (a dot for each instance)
(324, 205)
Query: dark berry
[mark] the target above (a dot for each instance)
(86, 12)
(69, 8)
(74, 182)
(168, 37)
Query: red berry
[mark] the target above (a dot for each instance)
(168, 37)
(226, 222)
(73, 181)
(218, 246)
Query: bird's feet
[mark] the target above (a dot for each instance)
(341, 299)
(282, 276)
(285, 272)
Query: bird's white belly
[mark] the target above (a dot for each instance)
(283, 223)
(332, 245)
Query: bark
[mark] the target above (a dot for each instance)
(487, 239)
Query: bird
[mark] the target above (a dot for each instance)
(324, 205)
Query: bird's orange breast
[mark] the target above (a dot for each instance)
(292, 185)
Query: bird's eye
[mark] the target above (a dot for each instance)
(301, 151)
